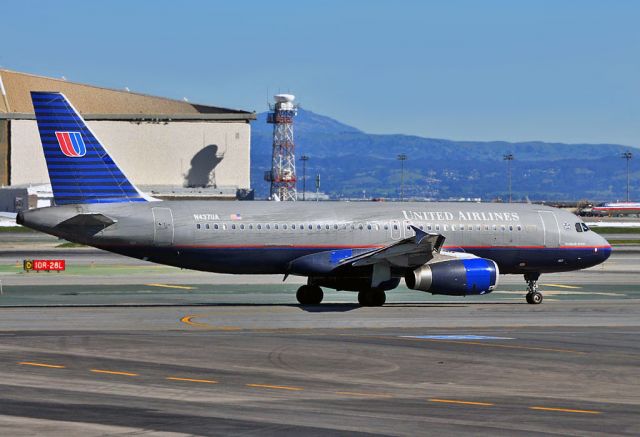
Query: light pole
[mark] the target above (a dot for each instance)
(317, 187)
(627, 155)
(509, 157)
(304, 159)
(402, 158)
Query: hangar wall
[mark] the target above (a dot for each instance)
(179, 153)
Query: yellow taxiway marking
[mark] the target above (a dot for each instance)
(565, 410)
(453, 401)
(373, 395)
(189, 321)
(31, 363)
(275, 387)
(561, 286)
(204, 381)
(506, 346)
(180, 287)
(113, 372)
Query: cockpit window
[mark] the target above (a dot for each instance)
(585, 227)
(578, 227)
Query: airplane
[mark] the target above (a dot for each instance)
(444, 248)
(617, 208)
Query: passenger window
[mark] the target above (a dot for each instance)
(519, 227)
(428, 227)
(293, 226)
(478, 227)
(207, 226)
(395, 227)
(259, 227)
(310, 227)
(283, 227)
(216, 226)
(250, 226)
(360, 226)
(335, 226)
(224, 227)
(198, 226)
(437, 227)
(327, 227)
(386, 227)
(233, 226)
(369, 227)
(510, 227)
(241, 226)
(578, 227)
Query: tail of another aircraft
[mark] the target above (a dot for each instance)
(80, 169)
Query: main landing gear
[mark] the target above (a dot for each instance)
(534, 297)
(372, 298)
(309, 295)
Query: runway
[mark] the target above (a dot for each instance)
(112, 348)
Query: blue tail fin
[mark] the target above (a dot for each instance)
(80, 169)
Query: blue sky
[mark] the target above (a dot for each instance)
(472, 70)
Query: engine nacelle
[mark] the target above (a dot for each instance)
(459, 277)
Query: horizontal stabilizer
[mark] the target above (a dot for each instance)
(87, 224)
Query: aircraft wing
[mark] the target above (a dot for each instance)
(410, 252)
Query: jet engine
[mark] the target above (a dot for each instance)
(457, 277)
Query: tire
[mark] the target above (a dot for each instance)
(363, 298)
(528, 297)
(372, 298)
(309, 295)
(536, 298)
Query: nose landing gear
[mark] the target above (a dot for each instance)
(533, 297)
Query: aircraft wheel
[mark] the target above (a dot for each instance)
(372, 298)
(363, 298)
(309, 295)
(534, 298)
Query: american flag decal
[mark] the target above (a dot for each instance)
(235, 217)
(71, 144)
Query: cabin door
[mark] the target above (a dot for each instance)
(551, 228)
(162, 226)
(394, 227)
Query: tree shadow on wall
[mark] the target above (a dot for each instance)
(203, 164)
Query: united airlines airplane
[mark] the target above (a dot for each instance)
(453, 249)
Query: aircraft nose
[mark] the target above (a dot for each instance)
(604, 249)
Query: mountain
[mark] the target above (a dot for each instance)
(351, 162)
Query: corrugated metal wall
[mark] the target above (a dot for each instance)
(175, 153)
(4, 152)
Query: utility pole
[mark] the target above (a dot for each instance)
(627, 155)
(402, 158)
(304, 159)
(509, 157)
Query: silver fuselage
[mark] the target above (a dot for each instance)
(265, 237)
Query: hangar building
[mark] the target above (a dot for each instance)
(170, 148)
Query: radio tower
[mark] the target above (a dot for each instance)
(283, 161)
